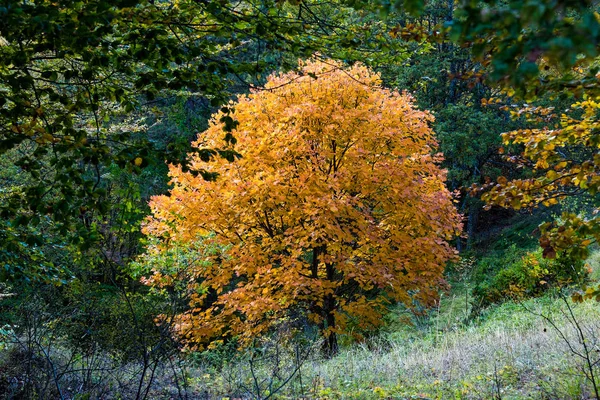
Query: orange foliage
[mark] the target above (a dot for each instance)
(336, 209)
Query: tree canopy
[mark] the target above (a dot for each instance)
(336, 208)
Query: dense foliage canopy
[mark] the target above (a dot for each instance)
(336, 209)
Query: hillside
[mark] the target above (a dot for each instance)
(514, 350)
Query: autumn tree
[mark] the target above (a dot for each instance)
(336, 209)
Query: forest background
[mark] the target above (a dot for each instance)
(98, 97)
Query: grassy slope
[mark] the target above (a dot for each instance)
(509, 352)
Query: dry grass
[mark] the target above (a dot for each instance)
(512, 353)
(509, 354)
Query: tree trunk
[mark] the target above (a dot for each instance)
(330, 346)
(472, 223)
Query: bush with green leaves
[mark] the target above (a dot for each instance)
(520, 274)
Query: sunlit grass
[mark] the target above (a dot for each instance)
(508, 351)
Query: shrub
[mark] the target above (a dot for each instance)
(521, 274)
